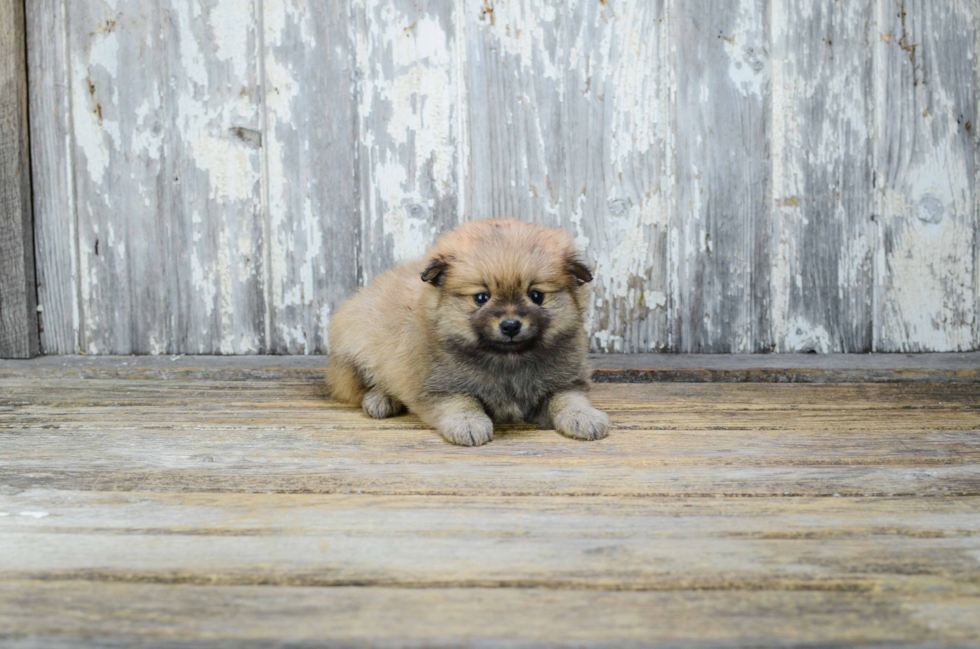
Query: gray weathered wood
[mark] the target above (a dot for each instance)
(165, 111)
(823, 195)
(311, 149)
(926, 169)
(213, 235)
(118, 89)
(18, 293)
(52, 162)
(721, 233)
(408, 116)
(714, 161)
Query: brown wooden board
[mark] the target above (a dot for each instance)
(86, 614)
(18, 293)
(175, 508)
(607, 368)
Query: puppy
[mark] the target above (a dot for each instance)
(487, 329)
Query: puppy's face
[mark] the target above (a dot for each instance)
(505, 287)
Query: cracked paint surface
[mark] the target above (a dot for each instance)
(768, 175)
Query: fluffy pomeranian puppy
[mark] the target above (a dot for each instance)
(488, 328)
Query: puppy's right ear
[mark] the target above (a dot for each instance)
(433, 273)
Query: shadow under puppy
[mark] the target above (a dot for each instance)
(488, 329)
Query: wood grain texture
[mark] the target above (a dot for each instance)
(180, 512)
(18, 294)
(124, 290)
(926, 169)
(667, 440)
(607, 368)
(569, 125)
(714, 161)
(52, 161)
(586, 543)
(71, 614)
(311, 149)
(408, 114)
(168, 176)
(823, 194)
(214, 231)
(721, 234)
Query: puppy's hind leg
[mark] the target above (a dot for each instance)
(344, 381)
(379, 405)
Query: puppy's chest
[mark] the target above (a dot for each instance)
(510, 400)
(510, 395)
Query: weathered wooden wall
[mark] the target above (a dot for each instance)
(18, 297)
(216, 176)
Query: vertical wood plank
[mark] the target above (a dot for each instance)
(18, 293)
(215, 208)
(720, 239)
(515, 86)
(570, 118)
(976, 194)
(926, 164)
(311, 147)
(167, 130)
(53, 176)
(617, 175)
(408, 115)
(823, 195)
(118, 77)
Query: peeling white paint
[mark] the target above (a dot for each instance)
(746, 48)
(408, 85)
(583, 137)
(801, 336)
(926, 261)
(230, 39)
(523, 29)
(817, 60)
(89, 137)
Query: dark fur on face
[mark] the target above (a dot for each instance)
(486, 321)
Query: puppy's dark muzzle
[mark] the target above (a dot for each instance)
(510, 327)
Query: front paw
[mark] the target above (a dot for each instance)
(467, 428)
(582, 423)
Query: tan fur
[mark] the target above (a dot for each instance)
(430, 346)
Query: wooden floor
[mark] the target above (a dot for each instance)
(219, 507)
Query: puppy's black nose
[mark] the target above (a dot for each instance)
(510, 327)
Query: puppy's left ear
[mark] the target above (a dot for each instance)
(433, 272)
(579, 270)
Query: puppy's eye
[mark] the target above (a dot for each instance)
(536, 296)
(481, 298)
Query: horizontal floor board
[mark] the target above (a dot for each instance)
(693, 439)
(175, 507)
(86, 614)
(614, 368)
(839, 544)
